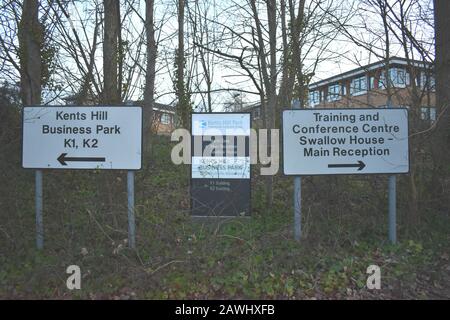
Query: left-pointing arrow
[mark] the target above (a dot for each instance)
(63, 159)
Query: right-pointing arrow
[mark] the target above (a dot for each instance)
(360, 165)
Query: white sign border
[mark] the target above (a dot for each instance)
(345, 173)
(82, 106)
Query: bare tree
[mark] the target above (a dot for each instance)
(181, 87)
(380, 28)
(150, 72)
(30, 43)
(269, 73)
(442, 67)
(111, 89)
(203, 33)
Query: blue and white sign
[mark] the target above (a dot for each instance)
(229, 159)
(220, 170)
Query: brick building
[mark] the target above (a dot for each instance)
(411, 83)
(364, 87)
(163, 118)
(163, 114)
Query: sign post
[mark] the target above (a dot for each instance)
(39, 216)
(131, 219)
(347, 141)
(297, 195)
(297, 208)
(130, 197)
(82, 137)
(220, 167)
(392, 200)
(392, 209)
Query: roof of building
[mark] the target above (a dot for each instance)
(251, 106)
(157, 106)
(366, 68)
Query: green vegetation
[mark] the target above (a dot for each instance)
(85, 217)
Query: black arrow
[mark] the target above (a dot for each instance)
(360, 165)
(62, 159)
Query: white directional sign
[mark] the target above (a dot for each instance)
(345, 141)
(85, 137)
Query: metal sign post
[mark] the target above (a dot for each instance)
(392, 209)
(297, 195)
(130, 196)
(392, 200)
(131, 218)
(39, 218)
(297, 208)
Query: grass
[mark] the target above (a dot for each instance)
(85, 217)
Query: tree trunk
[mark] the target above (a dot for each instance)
(111, 95)
(272, 89)
(183, 107)
(110, 52)
(30, 43)
(292, 67)
(180, 70)
(442, 71)
(149, 76)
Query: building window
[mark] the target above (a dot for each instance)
(432, 83)
(427, 81)
(381, 80)
(358, 86)
(428, 113)
(372, 83)
(314, 98)
(165, 118)
(334, 92)
(399, 78)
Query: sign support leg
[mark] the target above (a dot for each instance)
(39, 219)
(131, 219)
(392, 209)
(297, 208)
(296, 104)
